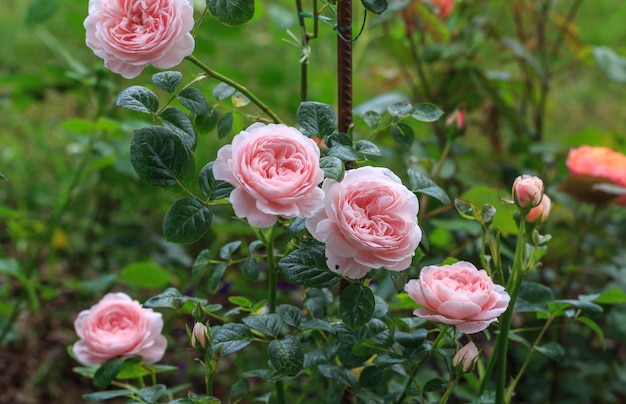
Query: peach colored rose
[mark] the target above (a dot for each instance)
(600, 162)
(445, 7)
(118, 326)
(540, 213)
(465, 357)
(527, 191)
(368, 220)
(275, 171)
(129, 35)
(458, 294)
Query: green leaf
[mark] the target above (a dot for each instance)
(167, 81)
(224, 125)
(402, 134)
(41, 10)
(201, 263)
(145, 275)
(297, 226)
(342, 152)
(160, 158)
(193, 99)
(375, 6)
(356, 305)
(611, 296)
(316, 119)
(533, 297)
(216, 275)
(212, 188)
(612, 64)
(552, 350)
(251, 269)
(179, 123)
(2, 177)
(230, 338)
(306, 266)
(267, 324)
(240, 301)
(426, 112)
(138, 98)
(205, 123)
(228, 249)
(170, 298)
(584, 303)
(223, 91)
(241, 386)
(105, 395)
(400, 109)
(483, 195)
(153, 393)
(400, 278)
(107, 371)
(231, 12)
(435, 385)
(367, 148)
(290, 315)
(372, 119)
(421, 184)
(187, 221)
(339, 374)
(594, 327)
(414, 339)
(286, 355)
(333, 167)
(239, 100)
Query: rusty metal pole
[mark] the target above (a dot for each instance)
(344, 64)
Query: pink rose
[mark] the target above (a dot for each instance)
(368, 220)
(540, 213)
(527, 191)
(458, 294)
(129, 35)
(465, 357)
(275, 171)
(199, 335)
(445, 7)
(118, 326)
(600, 162)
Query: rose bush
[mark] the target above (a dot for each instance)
(368, 220)
(275, 171)
(458, 294)
(129, 35)
(118, 326)
(527, 191)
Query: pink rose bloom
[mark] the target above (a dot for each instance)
(118, 326)
(368, 220)
(465, 357)
(527, 191)
(129, 35)
(599, 162)
(458, 294)
(540, 213)
(275, 171)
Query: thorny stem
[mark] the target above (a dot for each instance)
(243, 90)
(344, 64)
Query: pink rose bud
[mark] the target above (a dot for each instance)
(445, 7)
(527, 191)
(118, 326)
(129, 35)
(199, 335)
(540, 213)
(465, 357)
(458, 294)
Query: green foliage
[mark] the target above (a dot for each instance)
(231, 12)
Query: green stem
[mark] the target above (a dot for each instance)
(513, 285)
(243, 90)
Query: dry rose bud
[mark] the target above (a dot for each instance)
(466, 357)
(198, 335)
(527, 191)
(540, 213)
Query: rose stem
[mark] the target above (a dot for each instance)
(243, 90)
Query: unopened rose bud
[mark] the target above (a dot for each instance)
(527, 191)
(540, 213)
(465, 357)
(198, 335)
